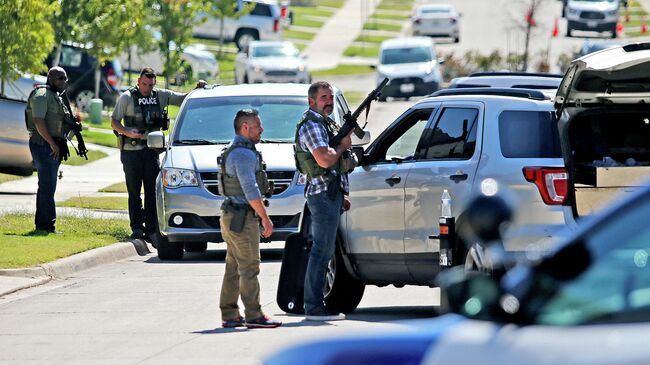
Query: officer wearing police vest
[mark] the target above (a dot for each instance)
(143, 109)
(326, 191)
(45, 116)
(243, 183)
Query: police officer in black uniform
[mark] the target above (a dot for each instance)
(143, 109)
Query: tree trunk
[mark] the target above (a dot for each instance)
(57, 55)
(98, 75)
(221, 19)
(130, 68)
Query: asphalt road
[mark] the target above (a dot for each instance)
(145, 311)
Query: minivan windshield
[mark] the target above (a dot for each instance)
(391, 56)
(210, 120)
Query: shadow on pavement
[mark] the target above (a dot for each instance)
(219, 255)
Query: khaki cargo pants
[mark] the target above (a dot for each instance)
(242, 268)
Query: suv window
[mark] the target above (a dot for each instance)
(402, 140)
(529, 134)
(70, 57)
(452, 137)
(261, 10)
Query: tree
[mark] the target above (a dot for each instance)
(26, 38)
(175, 19)
(526, 22)
(222, 9)
(66, 25)
(107, 29)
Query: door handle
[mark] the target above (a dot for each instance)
(393, 180)
(458, 176)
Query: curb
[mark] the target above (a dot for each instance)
(68, 266)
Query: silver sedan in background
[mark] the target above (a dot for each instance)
(436, 20)
(267, 61)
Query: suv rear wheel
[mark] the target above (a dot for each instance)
(244, 37)
(342, 292)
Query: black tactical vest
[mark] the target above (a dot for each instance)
(147, 109)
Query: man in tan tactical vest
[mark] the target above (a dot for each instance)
(243, 183)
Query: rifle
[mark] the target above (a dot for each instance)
(350, 119)
(75, 127)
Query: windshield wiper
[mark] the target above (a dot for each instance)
(194, 141)
(274, 141)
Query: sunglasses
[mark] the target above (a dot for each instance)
(62, 78)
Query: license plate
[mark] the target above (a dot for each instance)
(407, 88)
(592, 24)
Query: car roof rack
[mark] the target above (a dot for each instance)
(516, 93)
(507, 73)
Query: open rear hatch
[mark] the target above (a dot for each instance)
(603, 105)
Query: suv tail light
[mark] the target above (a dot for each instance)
(550, 181)
(111, 77)
(276, 25)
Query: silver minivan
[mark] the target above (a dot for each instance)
(187, 190)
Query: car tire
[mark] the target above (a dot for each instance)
(167, 250)
(382, 98)
(614, 35)
(245, 36)
(245, 79)
(342, 291)
(568, 32)
(457, 39)
(196, 246)
(82, 100)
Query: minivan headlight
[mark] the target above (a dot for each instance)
(174, 178)
(612, 12)
(573, 11)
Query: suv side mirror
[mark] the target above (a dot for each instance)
(156, 140)
(356, 141)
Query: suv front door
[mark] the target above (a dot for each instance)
(446, 158)
(380, 183)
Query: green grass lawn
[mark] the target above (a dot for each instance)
(100, 138)
(344, 70)
(371, 25)
(404, 5)
(308, 22)
(389, 16)
(371, 38)
(21, 246)
(299, 11)
(75, 160)
(119, 187)
(8, 177)
(100, 203)
(295, 34)
(367, 51)
(331, 3)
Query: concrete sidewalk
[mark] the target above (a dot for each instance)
(343, 27)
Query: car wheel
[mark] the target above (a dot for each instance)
(82, 100)
(382, 98)
(568, 32)
(614, 35)
(246, 79)
(196, 246)
(457, 39)
(342, 291)
(167, 250)
(244, 37)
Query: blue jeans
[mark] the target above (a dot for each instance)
(325, 215)
(47, 169)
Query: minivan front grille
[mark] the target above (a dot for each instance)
(281, 181)
(592, 15)
(281, 73)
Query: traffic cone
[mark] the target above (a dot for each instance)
(556, 29)
(619, 28)
(643, 26)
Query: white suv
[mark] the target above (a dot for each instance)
(262, 23)
(592, 15)
(453, 140)
(187, 190)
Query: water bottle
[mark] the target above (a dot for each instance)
(446, 204)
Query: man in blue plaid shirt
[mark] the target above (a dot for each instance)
(326, 192)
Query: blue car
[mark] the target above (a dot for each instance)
(585, 302)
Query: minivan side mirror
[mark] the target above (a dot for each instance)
(156, 140)
(441, 61)
(373, 66)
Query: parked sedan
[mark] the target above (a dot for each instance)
(269, 61)
(436, 20)
(586, 302)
